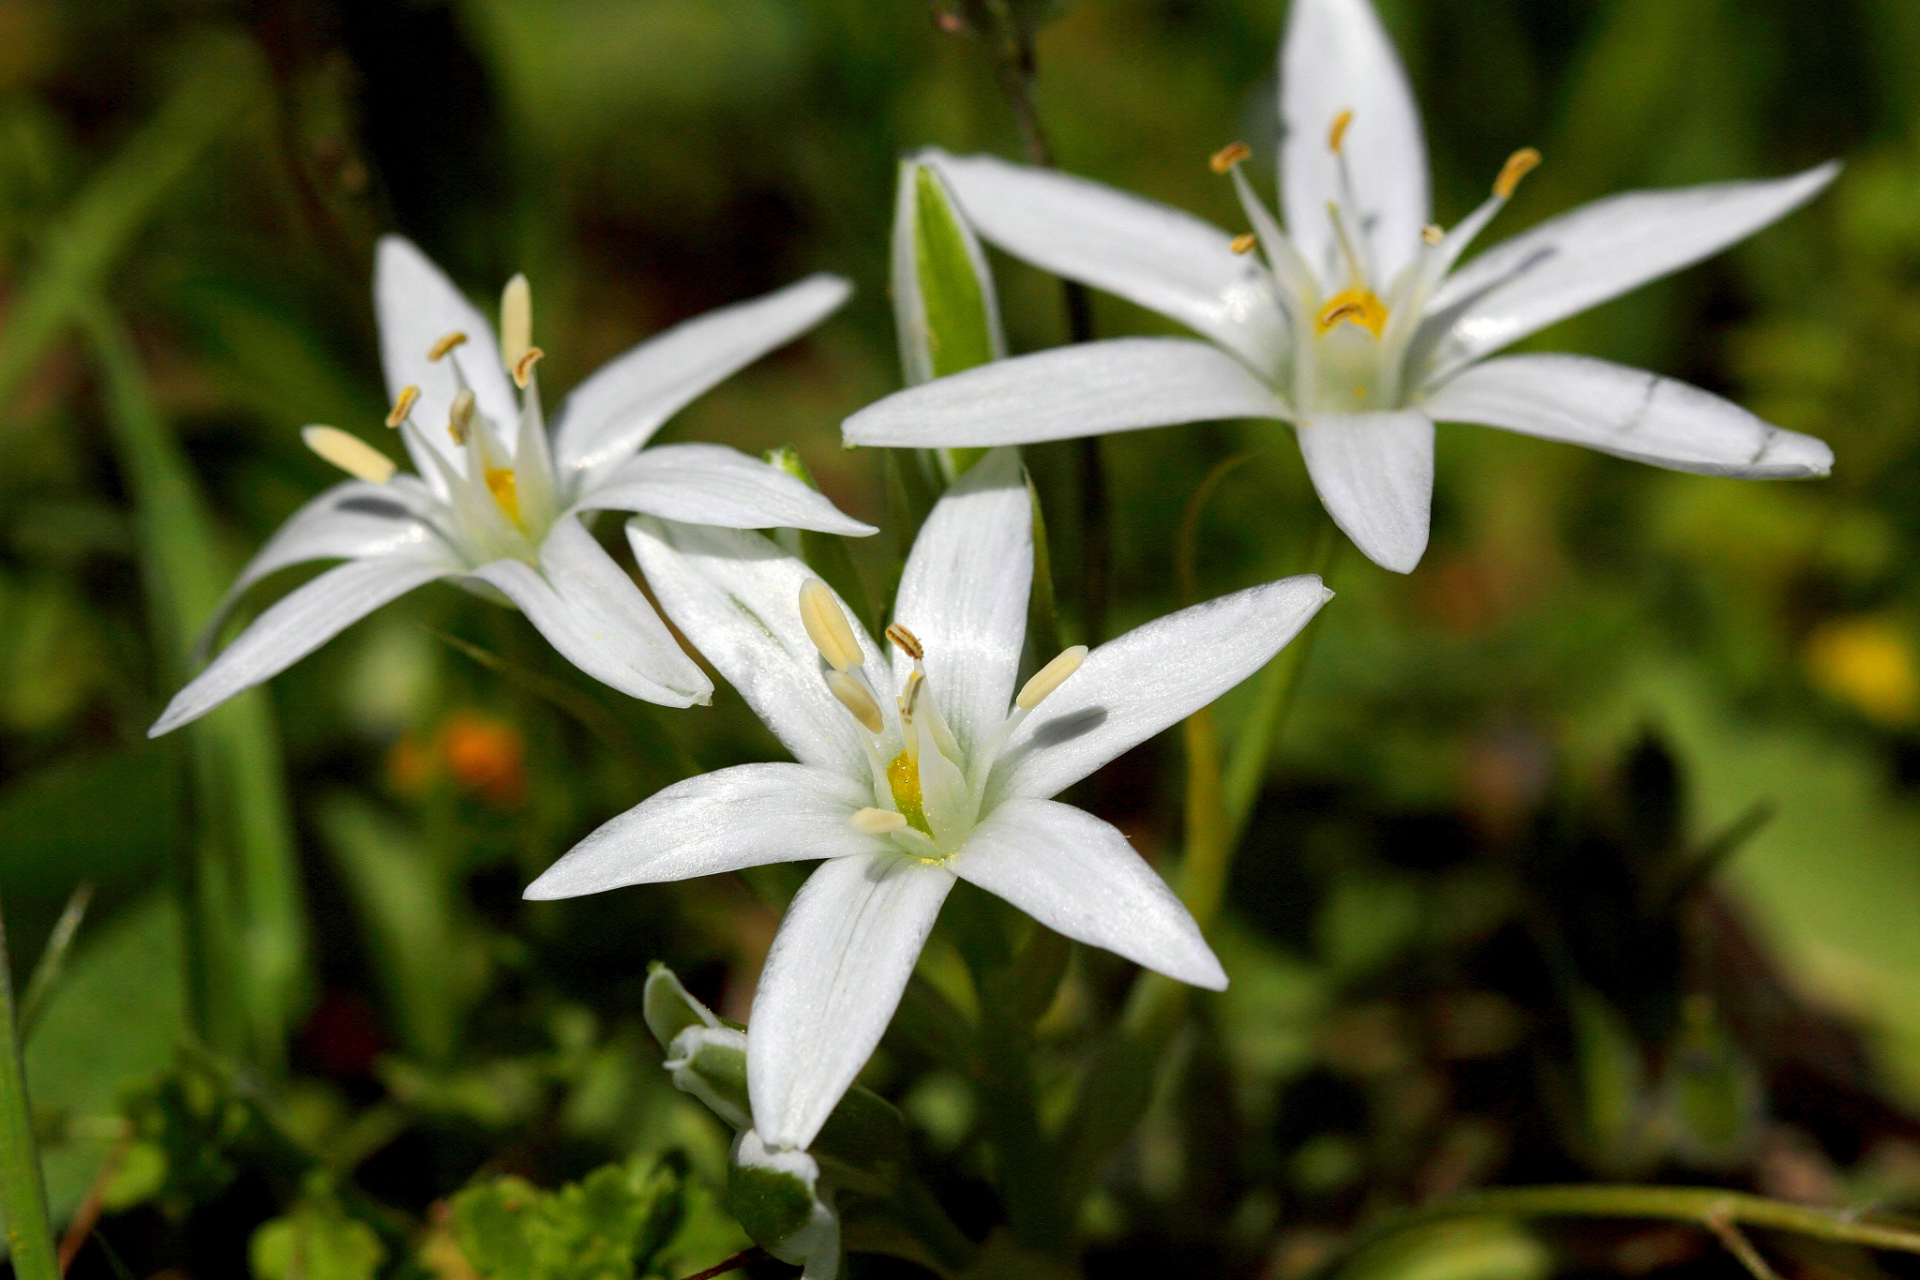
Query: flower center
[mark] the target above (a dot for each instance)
(903, 781)
(1360, 307)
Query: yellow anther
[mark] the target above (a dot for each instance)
(516, 320)
(446, 344)
(349, 453)
(460, 417)
(523, 367)
(1356, 306)
(1518, 166)
(403, 406)
(1228, 156)
(505, 491)
(910, 699)
(877, 822)
(828, 628)
(1337, 135)
(854, 697)
(1432, 233)
(1050, 677)
(908, 642)
(1245, 243)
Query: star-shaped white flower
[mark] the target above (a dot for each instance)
(496, 503)
(1355, 328)
(916, 768)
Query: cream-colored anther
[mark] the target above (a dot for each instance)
(516, 321)
(909, 643)
(1244, 243)
(403, 406)
(1223, 160)
(349, 453)
(1337, 134)
(910, 697)
(1050, 677)
(877, 822)
(1432, 233)
(523, 367)
(827, 627)
(446, 344)
(460, 417)
(1518, 166)
(854, 697)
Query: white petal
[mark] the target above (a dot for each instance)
(712, 484)
(1630, 413)
(1336, 57)
(294, 627)
(832, 981)
(352, 520)
(619, 408)
(736, 596)
(1086, 390)
(1595, 252)
(591, 611)
(1374, 474)
(964, 594)
(1154, 676)
(741, 817)
(1149, 253)
(417, 306)
(1078, 875)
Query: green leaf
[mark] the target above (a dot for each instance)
(1469, 1249)
(317, 1240)
(617, 1222)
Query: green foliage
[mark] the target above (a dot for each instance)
(641, 1219)
(1470, 1249)
(316, 1240)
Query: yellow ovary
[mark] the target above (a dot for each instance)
(903, 776)
(500, 483)
(1354, 306)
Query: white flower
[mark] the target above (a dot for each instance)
(916, 768)
(496, 502)
(1356, 328)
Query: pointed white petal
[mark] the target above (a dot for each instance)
(417, 306)
(1091, 389)
(736, 596)
(741, 817)
(1374, 475)
(352, 520)
(1078, 875)
(832, 981)
(1628, 412)
(1336, 57)
(1149, 253)
(591, 611)
(964, 594)
(1154, 676)
(1596, 252)
(294, 627)
(712, 484)
(619, 408)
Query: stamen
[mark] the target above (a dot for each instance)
(446, 344)
(505, 491)
(1245, 243)
(910, 696)
(1356, 265)
(1050, 677)
(523, 367)
(877, 822)
(1228, 156)
(908, 642)
(1356, 306)
(349, 453)
(460, 417)
(516, 321)
(1337, 134)
(854, 697)
(403, 406)
(1518, 166)
(1432, 233)
(828, 628)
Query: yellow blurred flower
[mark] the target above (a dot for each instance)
(1868, 663)
(479, 752)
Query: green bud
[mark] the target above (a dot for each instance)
(944, 307)
(780, 1199)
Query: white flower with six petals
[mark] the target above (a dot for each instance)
(916, 768)
(1356, 328)
(496, 503)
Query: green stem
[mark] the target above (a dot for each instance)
(23, 1195)
(1706, 1207)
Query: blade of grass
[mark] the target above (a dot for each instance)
(53, 957)
(248, 944)
(23, 1194)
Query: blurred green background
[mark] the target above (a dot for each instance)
(1481, 929)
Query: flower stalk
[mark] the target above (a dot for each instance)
(23, 1193)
